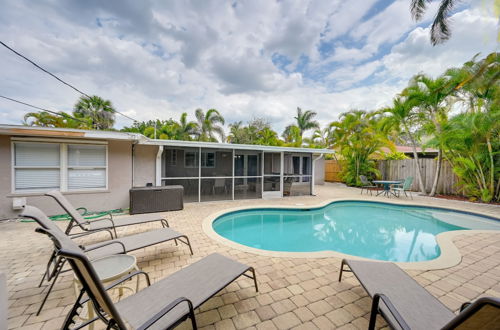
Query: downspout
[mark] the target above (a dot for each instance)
(313, 183)
(133, 164)
(158, 166)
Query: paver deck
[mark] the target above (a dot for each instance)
(294, 293)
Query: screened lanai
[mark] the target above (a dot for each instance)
(213, 171)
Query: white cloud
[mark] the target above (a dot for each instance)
(155, 59)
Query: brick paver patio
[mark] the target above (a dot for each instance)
(294, 293)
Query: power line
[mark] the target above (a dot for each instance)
(56, 77)
(42, 109)
(44, 70)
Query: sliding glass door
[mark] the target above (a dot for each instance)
(297, 174)
(272, 175)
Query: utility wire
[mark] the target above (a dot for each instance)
(42, 109)
(56, 77)
(44, 70)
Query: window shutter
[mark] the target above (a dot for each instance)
(37, 179)
(37, 154)
(93, 160)
(86, 155)
(86, 178)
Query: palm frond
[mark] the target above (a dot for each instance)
(440, 31)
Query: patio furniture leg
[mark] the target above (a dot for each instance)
(342, 269)
(187, 242)
(60, 265)
(253, 277)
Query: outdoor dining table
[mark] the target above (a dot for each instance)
(387, 186)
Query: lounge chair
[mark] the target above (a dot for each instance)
(405, 304)
(367, 185)
(110, 223)
(94, 251)
(162, 305)
(404, 187)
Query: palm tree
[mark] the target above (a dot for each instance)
(403, 117)
(100, 111)
(440, 31)
(292, 136)
(61, 119)
(208, 125)
(305, 120)
(186, 129)
(358, 137)
(430, 96)
(268, 137)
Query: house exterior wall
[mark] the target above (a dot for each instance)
(144, 165)
(117, 195)
(319, 171)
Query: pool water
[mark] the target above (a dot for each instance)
(366, 229)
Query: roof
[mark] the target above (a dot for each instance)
(20, 130)
(409, 150)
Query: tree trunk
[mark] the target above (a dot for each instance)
(417, 164)
(438, 172)
(492, 167)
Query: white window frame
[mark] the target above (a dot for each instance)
(196, 159)
(200, 159)
(63, 165)
(172, 161)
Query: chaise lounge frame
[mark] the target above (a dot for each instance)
(405, 304)
(94, 251)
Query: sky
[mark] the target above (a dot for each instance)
(248, 59)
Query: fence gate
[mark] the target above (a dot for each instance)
(332, 171)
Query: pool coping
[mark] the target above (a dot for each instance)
(450, 255)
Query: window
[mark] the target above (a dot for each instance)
(207, 159)
(67, 167)
(36, 166)
(190, 159)
(86, 167)
(171, 157)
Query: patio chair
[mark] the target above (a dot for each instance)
(94, 251)
(162, 305)
(219, 183)
(367, 185)
(110, 223)
(405, 304)
(287, 186)
(404, 187)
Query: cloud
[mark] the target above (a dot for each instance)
(156, 59)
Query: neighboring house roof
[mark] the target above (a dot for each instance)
(409, 150)
(20, 130)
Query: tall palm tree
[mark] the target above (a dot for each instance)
(186, 129)
(402, 116)
(305, 120)
(100, 111)
(440, 30)
(430, 96)
(208, 125)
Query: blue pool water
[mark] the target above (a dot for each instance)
(366, 229)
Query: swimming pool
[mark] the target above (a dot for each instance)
(372, 230)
